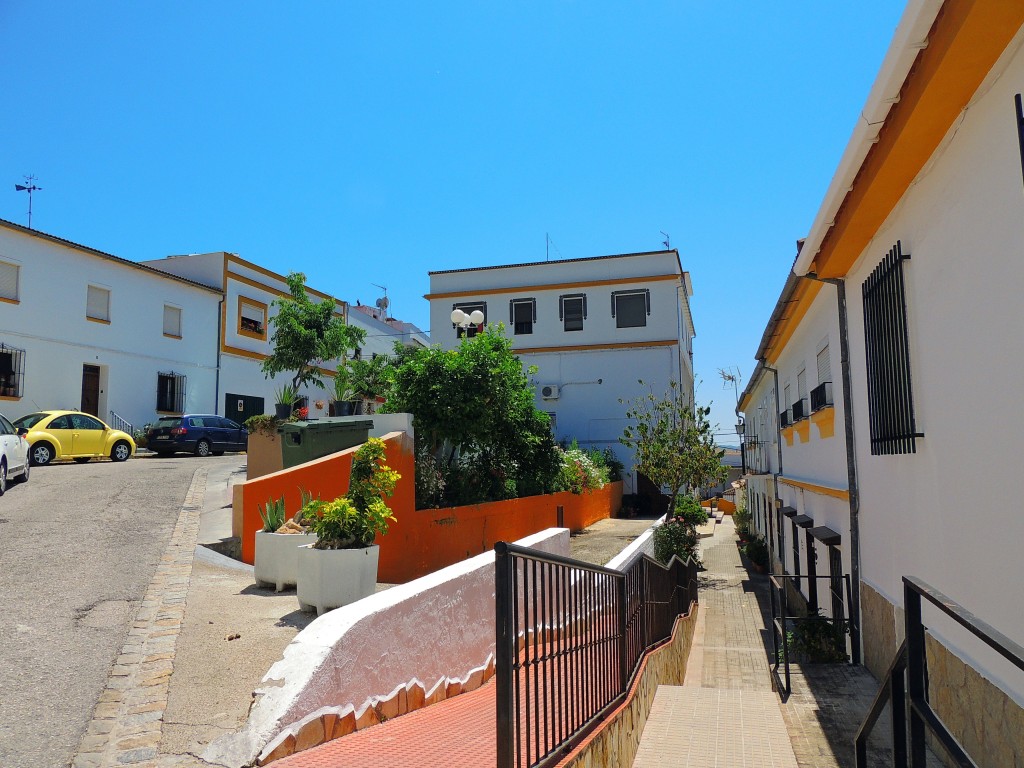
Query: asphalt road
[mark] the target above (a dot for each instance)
(78, 546)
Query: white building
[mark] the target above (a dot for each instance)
(80, 328)
(592, 326)
(920, 233)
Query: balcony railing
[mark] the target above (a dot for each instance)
(570, 638)
(757, 456)
(821, 396)
(784, 420)
(800, 410)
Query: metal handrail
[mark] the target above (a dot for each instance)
(118, 422)
(913, 665)
(570, 637)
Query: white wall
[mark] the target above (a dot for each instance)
(950, 513)
(50, 324)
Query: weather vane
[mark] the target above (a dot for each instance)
(666, 241)
(30, 187)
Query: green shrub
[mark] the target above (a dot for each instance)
(742, 520)
(757, 551)
(578, 471)
(678, 538)
(272, 514)
(817, 640)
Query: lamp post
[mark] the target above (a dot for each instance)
(463, 321)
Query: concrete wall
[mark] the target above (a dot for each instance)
(380, 655)
(49, 323)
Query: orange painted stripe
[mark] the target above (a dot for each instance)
(824, 490)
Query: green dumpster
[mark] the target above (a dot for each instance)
(303, 441)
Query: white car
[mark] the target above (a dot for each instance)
(13, 453)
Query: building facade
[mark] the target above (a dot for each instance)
(592, 327)
(912, 265)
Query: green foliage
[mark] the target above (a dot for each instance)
(272, 514)
(369, 379)
(286, 395)
(357, 518)
(757, 550)
(579, 472)
(817, 640)
(673, 442)
(479, 436)
(676, 537)
(742, 519)
(262, 424)
(306, 335)
(609, 461)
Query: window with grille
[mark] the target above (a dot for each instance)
(522, 314)
(572, 311)
(252, 318)
(98, 304)
(631, 308)
(12, 371)
(9, 274)
(172, 321)
(800, 406)
(821, 395)
(170, 392)
(469, 308)
(887, 342)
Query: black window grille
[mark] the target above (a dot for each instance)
(469, 308)
(1020, 127)
(784, 419)
(799, 410)
(522, 314)
(631, 308)
(12, 371)
(170, 392)
(572, 311)
(821, 396)
(886, 337)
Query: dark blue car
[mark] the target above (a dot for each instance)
(203, 434)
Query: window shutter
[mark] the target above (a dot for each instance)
(172, 320)
(8, 281)
(98, 303)
(801, 384)
(824, 366)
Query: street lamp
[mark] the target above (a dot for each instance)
(739, 427)
(463, 321)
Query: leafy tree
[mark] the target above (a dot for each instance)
(673, 442)
(306, 335)
(479, 436)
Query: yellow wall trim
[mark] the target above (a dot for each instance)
(97, 320)
(824, 490)
(10, 301)
(591, 347)
(234, 259)
(259, 305)
(825, 421)
(552, 286)
(788, 432)
(803, 430)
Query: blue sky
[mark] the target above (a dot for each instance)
(370, 143)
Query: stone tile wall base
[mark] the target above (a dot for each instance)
(329, 723)
(615, 742)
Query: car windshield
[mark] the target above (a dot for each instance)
(30, 420)
(167, 421)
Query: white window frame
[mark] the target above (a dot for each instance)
(92, 295)
(11, 281)
(172, 330)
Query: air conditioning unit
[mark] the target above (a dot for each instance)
(549, 391)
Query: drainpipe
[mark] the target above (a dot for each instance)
(775, 475)
(851, 454)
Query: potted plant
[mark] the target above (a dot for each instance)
(285, 398)
(341, 567)
(369, 381)
(277, 546)
(757, 551)
(344, 398)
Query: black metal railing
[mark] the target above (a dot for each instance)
(570, 638)
(908, 674)
(821, 396)
(800, 410)
(788, 626)
(784, 418)
(757, 455)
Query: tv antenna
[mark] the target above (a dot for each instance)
(383, 302)
(30, 187)
(666, 241)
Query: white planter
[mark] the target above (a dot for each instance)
(331, 578)
(277, 555)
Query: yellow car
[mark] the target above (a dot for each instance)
(73, 435)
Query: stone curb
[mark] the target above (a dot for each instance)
(127, 721)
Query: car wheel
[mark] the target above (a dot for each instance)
(42, 454)
(3, 476)
(203, 448)
(82, 459)
(121, 451)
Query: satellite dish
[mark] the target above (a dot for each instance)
(383, 303)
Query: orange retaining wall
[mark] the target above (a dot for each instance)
(422, 541)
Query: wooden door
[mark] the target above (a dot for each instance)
(91, 389)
